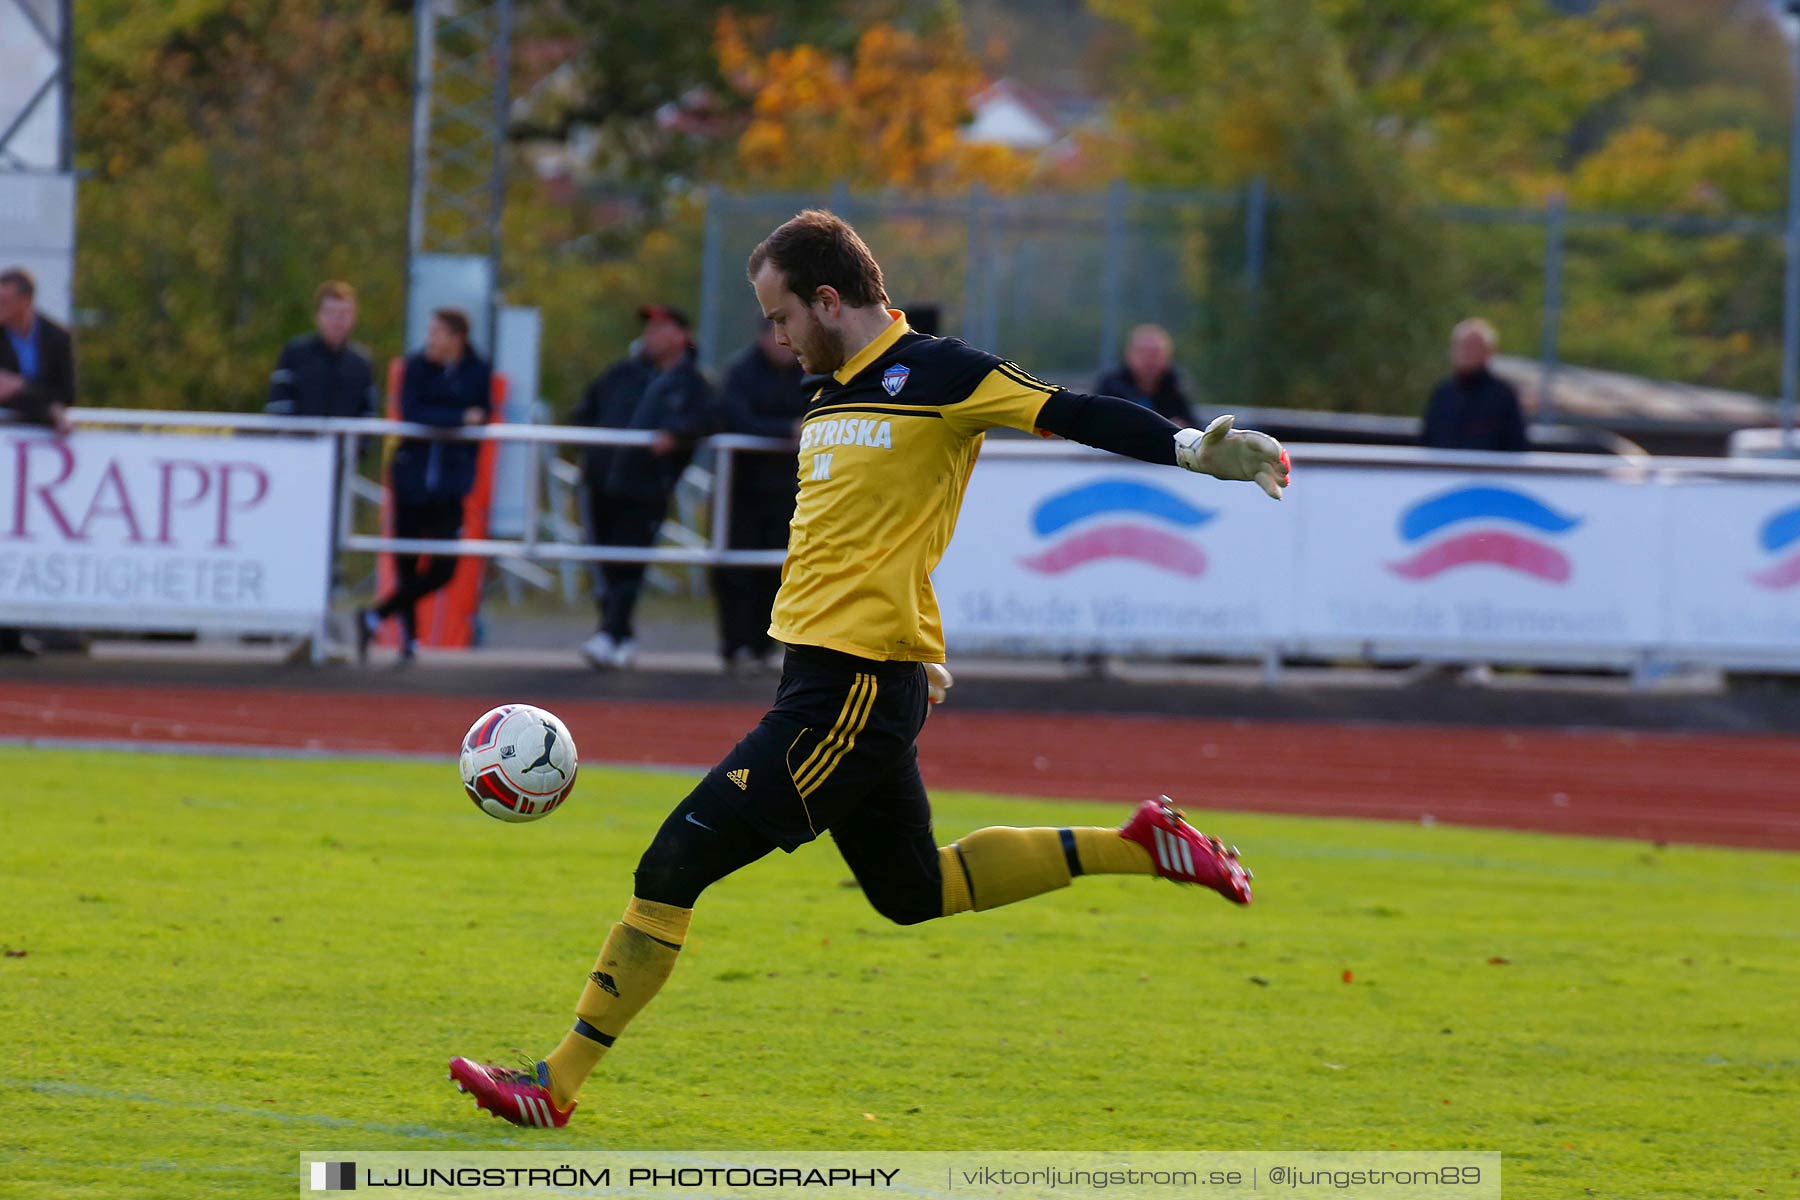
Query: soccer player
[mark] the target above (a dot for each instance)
(889, 438)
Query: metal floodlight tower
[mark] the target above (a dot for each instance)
(460, 107)
(36, 129)
(1790, 306)
(37, 145)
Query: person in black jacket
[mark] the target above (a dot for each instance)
(1148, 377)
(631, 500)
(1474, 409)
(37, 357)
(449, 385)
(607, 403)
(324, 374)
(37, 377)
(761, 396)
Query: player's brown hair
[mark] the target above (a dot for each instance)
(20, 280)
(816, 249)
(333, 289)
(455, 320)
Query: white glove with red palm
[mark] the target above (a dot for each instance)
(938, 682)
(1227, 453)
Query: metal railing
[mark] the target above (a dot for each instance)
(1004, 270)
(349, 433)
(711, 549)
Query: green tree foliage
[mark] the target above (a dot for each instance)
(588, 288)
(1356, 115)
(1703, 65)
(1367, 117)
(1462, 90)
(1701, 132)
(1349, 314)
(239, 153)
(797, 94)
(651, 90)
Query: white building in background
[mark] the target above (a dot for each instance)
(1009, 113)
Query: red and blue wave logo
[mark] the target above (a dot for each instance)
(1117, 519)
(1778, 535)
(1515, 546)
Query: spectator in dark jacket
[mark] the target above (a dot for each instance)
(1148, 377)
(37, 357)
(608, 403)
(1474, 409)
(447, 384)
(324, 374)
(762, 397)
(37, 377)
(627, 505)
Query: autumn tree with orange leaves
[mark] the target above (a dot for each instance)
(887, 114)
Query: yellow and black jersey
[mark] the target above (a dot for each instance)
(886, 449)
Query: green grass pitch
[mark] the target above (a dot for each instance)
(226, 962)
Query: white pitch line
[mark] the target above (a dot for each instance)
(54, 1087)
(241, 750)
(213, 749)
(158, 1165)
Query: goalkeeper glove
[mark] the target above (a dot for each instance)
(938, 682)
(1227, 453)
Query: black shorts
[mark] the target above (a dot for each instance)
(835, 750)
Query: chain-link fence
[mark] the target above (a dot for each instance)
(1055, 281)
(1052, 280)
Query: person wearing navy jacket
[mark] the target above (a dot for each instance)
(1474, 409)
(1147, 376)
(37, 380)
(447, 384)
(761, 397)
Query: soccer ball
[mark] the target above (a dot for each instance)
(518, 763)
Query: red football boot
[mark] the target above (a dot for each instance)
(521, 1096)
(1184, 854)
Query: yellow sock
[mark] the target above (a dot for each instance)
(956, 881)
(636, 961)
(1005, 865)
(1104, 852)
(998, 865)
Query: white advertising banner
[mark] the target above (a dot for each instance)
(1734, 567)
(1111, 556)
(134, 531)
(1440, 558)
(1091, 554)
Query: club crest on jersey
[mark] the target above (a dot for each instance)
(894, 378)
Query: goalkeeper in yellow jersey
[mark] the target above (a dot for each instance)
(890, 435)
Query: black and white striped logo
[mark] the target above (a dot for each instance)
(334, 1177)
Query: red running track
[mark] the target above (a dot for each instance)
(1726, 789)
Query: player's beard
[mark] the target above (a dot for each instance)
(821, 351)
